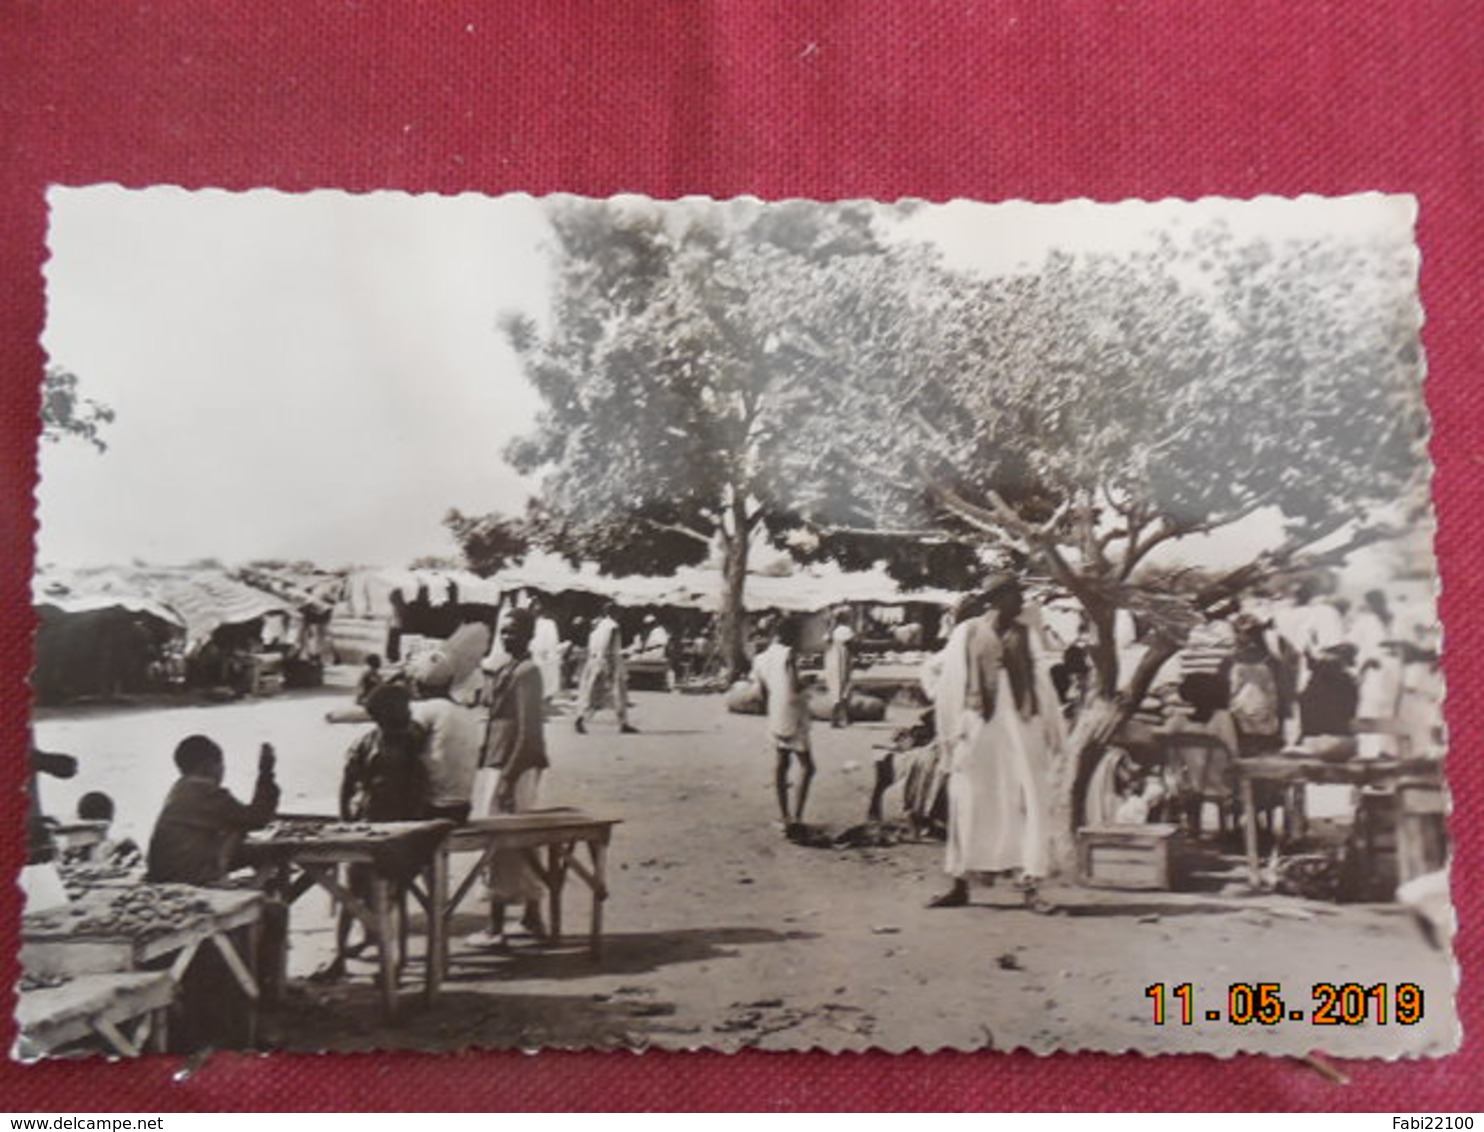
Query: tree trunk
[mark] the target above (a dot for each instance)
(1092, 735)
(731, 629)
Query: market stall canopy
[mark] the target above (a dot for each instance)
(94, 603)
(805, 590)
(200, 599)
(368, 593)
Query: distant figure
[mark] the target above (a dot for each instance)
(546, 650)
(776, 671)
(837, 668)
(604, 674)
(654, 644)
(370, 680)
(201, 826)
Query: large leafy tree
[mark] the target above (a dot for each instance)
(668, 398)
(1085, 415)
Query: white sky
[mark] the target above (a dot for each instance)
(320, 376)
(312, 376)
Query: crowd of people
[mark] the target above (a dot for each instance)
(1301, 673)
(458, 730)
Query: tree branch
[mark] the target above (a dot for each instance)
(678, 529)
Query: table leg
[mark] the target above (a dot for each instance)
(159, 1033)
(437, 922)
(386, 942)
(115, 1038)
(556, 877)
(1249, 822)
(599, 851)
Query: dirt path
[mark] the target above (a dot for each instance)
(722, 934)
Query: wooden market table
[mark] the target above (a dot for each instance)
(304, 853)
(51, 946)
(1296, 768)
(123, 1013)
(559, 832)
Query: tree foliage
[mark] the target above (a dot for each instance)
(668, 402)
(66, 413)
(1086, 414)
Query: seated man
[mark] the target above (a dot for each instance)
(197, 834)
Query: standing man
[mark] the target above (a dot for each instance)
(998, 806)
(515, 746)
(776, 671)
(546, 650)
(837, 668)
(604, 673)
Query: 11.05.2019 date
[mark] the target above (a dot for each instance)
(1329, 1004)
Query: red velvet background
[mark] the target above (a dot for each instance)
(823, 98)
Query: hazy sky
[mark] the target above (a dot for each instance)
(316, 376)
(320, 375)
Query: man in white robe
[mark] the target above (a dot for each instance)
(1000, 728)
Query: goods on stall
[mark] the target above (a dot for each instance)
(136, 913)
(79, 876)
(310, 830)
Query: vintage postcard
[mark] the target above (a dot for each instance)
(504, 622)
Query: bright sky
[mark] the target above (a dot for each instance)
(312, 376)
(320, 376)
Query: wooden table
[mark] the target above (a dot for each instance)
(559, 832)
(1306, 770)
(50, 951)
(123, 1013)
(296, 858)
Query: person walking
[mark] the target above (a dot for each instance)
(604, 674)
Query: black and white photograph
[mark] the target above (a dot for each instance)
(532, 623)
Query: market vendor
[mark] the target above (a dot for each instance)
(198, 832)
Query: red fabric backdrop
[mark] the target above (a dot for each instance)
(820, 99)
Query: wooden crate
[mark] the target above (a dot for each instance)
(1129, 856)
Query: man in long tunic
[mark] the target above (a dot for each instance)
(604, 674)
(999, 736)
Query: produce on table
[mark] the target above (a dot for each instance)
(136, 913)
(324, 831)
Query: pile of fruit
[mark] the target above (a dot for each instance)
(133, 913)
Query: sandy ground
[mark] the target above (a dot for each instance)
(721, 934)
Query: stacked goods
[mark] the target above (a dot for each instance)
(136, 913)
(305, 830)
(79, 876)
